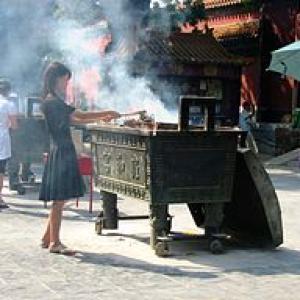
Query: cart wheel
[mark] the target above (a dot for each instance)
(21, 190)
(169, 225)
(216, 247)
(161, 249)
(99, 226)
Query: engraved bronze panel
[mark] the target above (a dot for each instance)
(121, 163)
(169, 167)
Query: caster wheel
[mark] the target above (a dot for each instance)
(21, 190)
(161, 249)
(169, 225)
(99, 226)
(216, 247)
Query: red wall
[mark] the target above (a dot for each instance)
(278, 29)
(271, 94)
(250, 82)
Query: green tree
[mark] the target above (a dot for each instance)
(251, 4)
(173, 13)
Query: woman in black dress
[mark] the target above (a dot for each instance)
(61, 179)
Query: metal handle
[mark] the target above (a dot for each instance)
(208, 103)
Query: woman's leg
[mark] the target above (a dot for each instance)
(53, 230)
(46, 235)
(55, 222)
(1, 186)
(2, 171)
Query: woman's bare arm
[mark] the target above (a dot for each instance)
(80, 117)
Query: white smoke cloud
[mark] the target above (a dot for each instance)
(116, 88)
(22, 41)
(28, 30)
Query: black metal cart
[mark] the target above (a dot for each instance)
(29, 142)
(192, 165)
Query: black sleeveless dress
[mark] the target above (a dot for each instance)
(61, 179)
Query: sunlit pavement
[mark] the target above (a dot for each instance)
(121, 265)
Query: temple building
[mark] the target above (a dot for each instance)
(252, 29)
(191, 64)
(176, 63)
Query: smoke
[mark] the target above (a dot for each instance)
(131, 94)
(103, 80)
(96, 39)
(22, 42)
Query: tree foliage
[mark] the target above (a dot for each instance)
(173, 13)
(251, 4)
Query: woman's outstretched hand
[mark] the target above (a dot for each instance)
(110, 115)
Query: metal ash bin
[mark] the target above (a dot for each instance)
(189, 164)
(29, 142)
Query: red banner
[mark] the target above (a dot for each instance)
(297, 27)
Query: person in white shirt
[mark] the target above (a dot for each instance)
(7, 120)
(245, 123)
(246, 115)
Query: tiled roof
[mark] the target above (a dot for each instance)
(188, 48)
(218, 3)
(249, 28)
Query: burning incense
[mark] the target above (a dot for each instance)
(141, 113)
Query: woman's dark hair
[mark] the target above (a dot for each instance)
(53, 71)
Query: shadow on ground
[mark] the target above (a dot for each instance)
(114, 260)
(284, 261)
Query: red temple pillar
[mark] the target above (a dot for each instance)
(296, 93)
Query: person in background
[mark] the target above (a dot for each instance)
(7, 121)
(61, 179)
(247, 112)
(18, 171)
(13, 165)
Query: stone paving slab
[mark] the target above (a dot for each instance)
(121, 263)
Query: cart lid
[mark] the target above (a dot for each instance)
(254, 214)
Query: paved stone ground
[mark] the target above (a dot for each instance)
(120, 264)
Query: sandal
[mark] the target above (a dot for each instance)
(61, 249)
(3, 204)
(44, 245)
